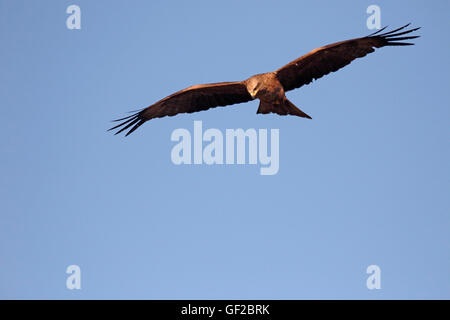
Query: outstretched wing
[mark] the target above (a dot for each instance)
(330, 58)
(192, 99)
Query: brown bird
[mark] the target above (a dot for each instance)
(269, 87)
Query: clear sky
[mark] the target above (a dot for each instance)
(366, 182)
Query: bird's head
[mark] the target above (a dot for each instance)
(253, 86)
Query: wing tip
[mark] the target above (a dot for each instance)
(135, 119)
(390, 38)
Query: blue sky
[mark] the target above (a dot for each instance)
(365, 182)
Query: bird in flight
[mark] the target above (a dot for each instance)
(268, 87)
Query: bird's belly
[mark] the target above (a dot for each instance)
(271, 94)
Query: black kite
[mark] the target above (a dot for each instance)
(269, 87)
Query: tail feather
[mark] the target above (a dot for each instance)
(284, 108)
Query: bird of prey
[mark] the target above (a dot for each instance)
(268, 87)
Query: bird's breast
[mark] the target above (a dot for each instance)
(265, 87)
